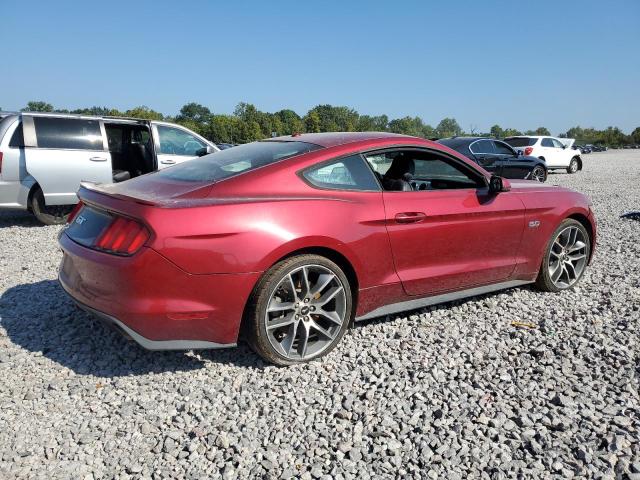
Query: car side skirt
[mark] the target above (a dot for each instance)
(436, 299)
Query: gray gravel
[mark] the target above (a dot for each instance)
(456, 391)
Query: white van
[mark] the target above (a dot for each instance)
(45, 156)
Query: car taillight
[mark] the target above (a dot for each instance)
(74, 212)
(528, 150)
(123, 236)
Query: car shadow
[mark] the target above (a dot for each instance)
(40, 318)
(18, 218)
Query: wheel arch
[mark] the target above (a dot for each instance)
(332, 254)
(586, 223)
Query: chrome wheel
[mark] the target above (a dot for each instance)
(306, 312)
(567, 257)
(538, 174)
(573, 166)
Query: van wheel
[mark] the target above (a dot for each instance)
(51, 214)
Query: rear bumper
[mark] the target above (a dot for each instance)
(153, 301)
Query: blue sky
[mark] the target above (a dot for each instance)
(515, 63)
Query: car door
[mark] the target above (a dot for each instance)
(550, 153)
(563, 153)
(485, 155)
(513, 166)
(176, 144)
(61, 152)
(452, 234)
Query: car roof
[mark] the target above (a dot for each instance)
(332, 139)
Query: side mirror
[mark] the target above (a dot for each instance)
(498, 184)
(205, 151)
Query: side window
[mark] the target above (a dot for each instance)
(175, 141)
(482, 146)
(422, 170)
(17, 139)
(68, 133)
(502, 149)
(546, 142)
(557, 143)
(348, 173)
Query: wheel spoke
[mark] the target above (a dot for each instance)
(278, 306)
(576, 246)
(327, 297)
(287, 343)
(556, 273)
(304, 340)
(323, 281)
(575, 258)
(281, 321)
(293, 288)
(571, 272)
(322, 331)
(305, 278)
(332, 316)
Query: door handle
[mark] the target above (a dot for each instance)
(98, 159)
(410, 217)
(168, 162)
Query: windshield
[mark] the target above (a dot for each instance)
(521, 141)
(243, 158)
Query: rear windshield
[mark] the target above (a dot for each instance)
(243, 158)
(521, 141)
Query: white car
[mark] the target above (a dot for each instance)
(556, 152)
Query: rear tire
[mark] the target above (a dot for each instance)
(48, 215)
(573, 165)
(565, 258)
(539, 174)
(287, 322)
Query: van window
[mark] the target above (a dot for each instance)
(68, 133)
(17, 139)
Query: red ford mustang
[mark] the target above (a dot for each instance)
(291, 239)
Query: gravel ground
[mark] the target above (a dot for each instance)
(454, 391)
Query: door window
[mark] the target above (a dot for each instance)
(17, 139)
(546, 142)
(421, 170)
(175, 141)
(503, 149)
(68, 133)
(557, 143)
(482, 146)
(349, 173)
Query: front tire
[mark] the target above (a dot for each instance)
(48, 215)
(565, 258)
(573, 165)
(299, 311)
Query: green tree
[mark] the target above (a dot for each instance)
(448, 127)
(542, 131)
(37, 106)
(367, 123)
(510, 132)
(336, 119)
(144, 112)
(635, 135)
(497, 132)
(194, 112)
(290, 121)
(312, 122)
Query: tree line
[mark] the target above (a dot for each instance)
(248, 124)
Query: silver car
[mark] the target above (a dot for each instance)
(44, 156)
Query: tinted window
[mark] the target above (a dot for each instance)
(349, 173)
(243, 158)
(69, 133)
(423, 170)
(521, 141)
(175, 141)
(482, 146)
(546, 142)
(17, 139)
(502, 149)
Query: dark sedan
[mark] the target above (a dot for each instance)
(498, 157)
